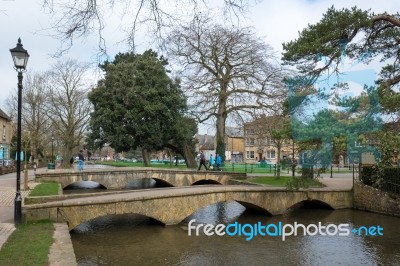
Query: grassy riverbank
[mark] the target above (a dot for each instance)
(285, 181)
(45, 189)
(28, 245)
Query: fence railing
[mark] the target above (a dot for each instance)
(261, 168)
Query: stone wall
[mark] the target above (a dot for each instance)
(120, 178)
(367, 198)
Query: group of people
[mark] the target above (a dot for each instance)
(212, 163)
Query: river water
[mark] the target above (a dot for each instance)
(139, 240)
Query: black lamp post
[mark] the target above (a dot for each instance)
(52, 149)
(20, 57)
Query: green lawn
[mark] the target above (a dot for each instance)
(45, 189)
(28, 245)
(283, 181)
(269, 180)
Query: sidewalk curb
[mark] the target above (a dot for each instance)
(6, 229)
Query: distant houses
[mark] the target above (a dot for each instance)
(6, 127)
(249, 144)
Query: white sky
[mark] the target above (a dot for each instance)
(277, 21)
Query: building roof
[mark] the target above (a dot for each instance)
(234, 132)
(206, 142)
(4, 115)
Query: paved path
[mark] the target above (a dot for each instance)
(7, 196)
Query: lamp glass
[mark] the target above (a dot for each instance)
(20, 56)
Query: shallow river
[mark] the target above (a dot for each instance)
(139, 240)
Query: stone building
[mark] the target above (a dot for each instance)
(234, 145)
(6, 127)
(259, 143)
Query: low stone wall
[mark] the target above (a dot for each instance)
(367, 198)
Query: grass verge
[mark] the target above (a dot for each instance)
(29, 245)
(270, 180)
(45, 189)
(286, 181)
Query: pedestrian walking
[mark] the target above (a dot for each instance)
(81, 160)
(202, 160)
(218, 162)
(211, 162)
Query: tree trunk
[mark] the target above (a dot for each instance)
(67, 155)
(189, 156)
(278, 164)
(221, 118)
(145, 156)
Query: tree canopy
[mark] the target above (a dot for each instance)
(137, 104)
(320, 54)
(350, 33)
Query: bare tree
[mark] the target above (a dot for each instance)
(226, 72)
(69, 105)
(35, 119)
(72, 20)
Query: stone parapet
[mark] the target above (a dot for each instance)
(120, 177)
(367, 198)
(172, 205)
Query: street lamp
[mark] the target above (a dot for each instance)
(52, 149)
(20, 57)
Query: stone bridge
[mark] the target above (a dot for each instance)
(172, 205)
(118, 178)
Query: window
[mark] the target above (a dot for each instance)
(249, 141)
(271, 154)
(249, 154)
(250, 131)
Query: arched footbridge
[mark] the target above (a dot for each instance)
(172, 205)
(118, 178)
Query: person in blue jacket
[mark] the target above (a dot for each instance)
(218, 161)
(211, 162)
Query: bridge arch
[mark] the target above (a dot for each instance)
(155, 215)
(312, 203)
(206, 182)
(84, 184)
(117, 216)
(163, 182)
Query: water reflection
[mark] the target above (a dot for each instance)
(139, 240)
